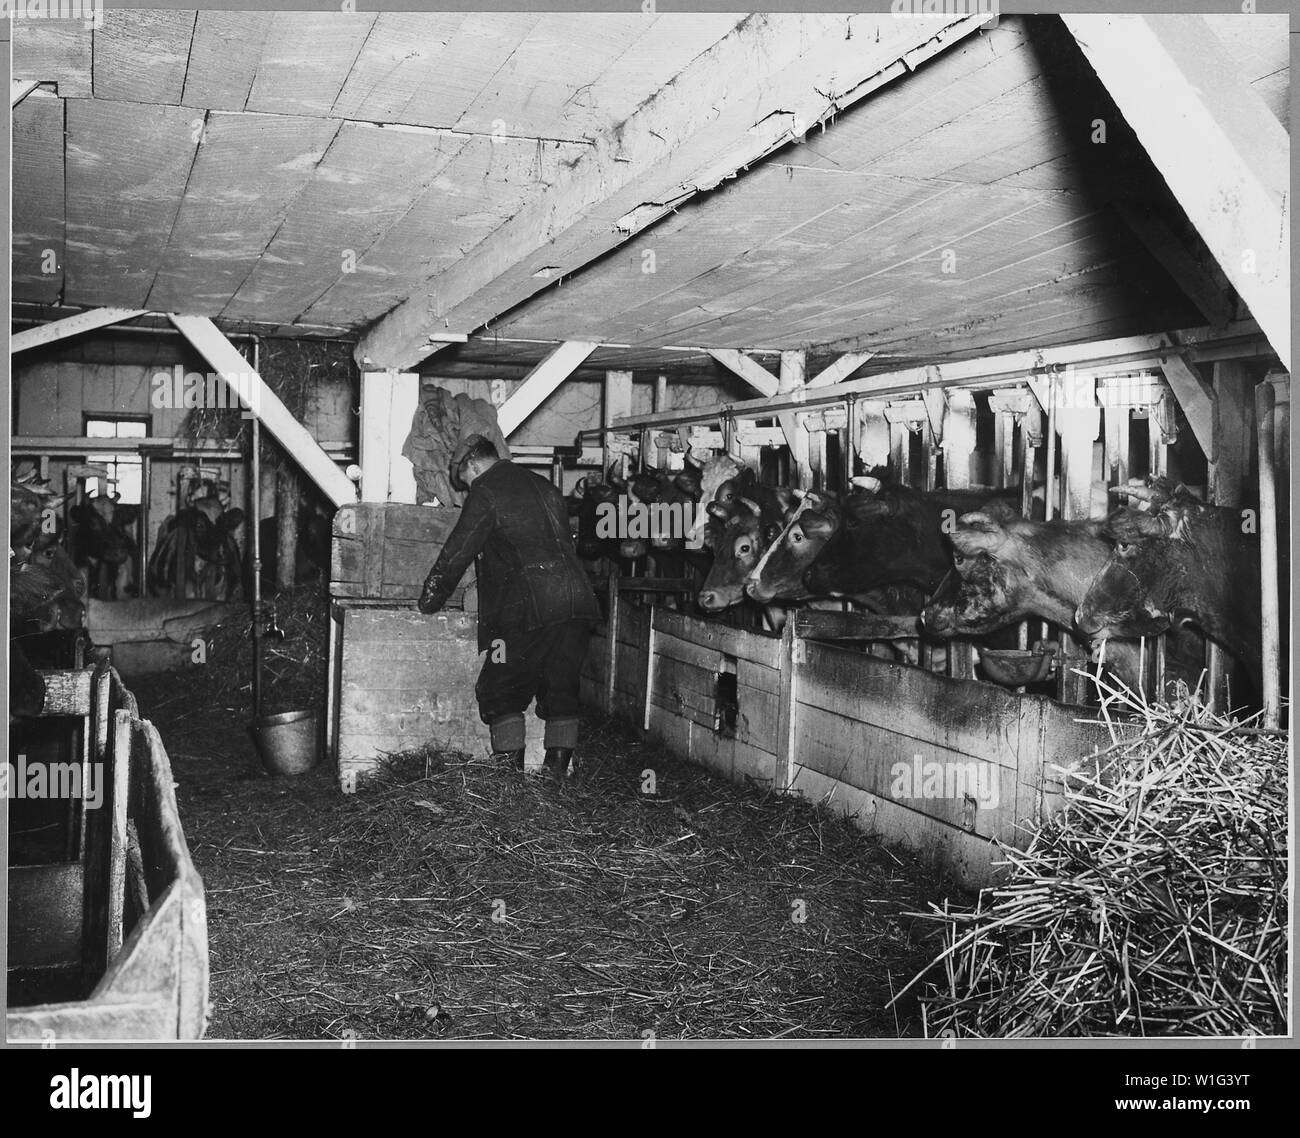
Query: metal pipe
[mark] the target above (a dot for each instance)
(255, 544)
(1270, 626)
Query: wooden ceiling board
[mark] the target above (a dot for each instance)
(918, 284)
(246, 175)
(366, 182)
(481, 185)
(464, 66)
(883, 244)
(38, 215)
(141, 56)
(305, 60)
(223, 59)
(120, 213)
(731, 240)
(954, 86)
(403, 56)
(530, 95)
(54, 51)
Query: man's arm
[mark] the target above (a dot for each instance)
(463, 545)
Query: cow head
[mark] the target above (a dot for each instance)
(1137, 590)
(738, 544)
(780, 571)
(714, 471)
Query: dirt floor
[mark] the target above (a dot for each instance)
(451, 899)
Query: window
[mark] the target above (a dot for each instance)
(125, 468)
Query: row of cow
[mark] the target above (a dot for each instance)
(965, 562)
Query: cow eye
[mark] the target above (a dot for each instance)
(744, 547)
(1123, 548)
(796, 537)
(958, 560)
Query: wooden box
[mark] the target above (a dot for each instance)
(401, 680)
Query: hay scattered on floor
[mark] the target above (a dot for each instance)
(450, 899)
(1154, 903)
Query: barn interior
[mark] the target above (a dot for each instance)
(965, 253)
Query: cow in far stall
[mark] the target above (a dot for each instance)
(312, 554)
(591, 501)
(669, 499)
(1009, 568)
(196, 554)
(1176, 560)
(104, 544)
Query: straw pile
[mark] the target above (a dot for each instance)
(1154, 903)
(451, 899)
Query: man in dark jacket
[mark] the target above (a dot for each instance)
(536, 607)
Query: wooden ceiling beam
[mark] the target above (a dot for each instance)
(57, 330)
(1215, 142)
(763, 85)
(238, 373)
(540, 382)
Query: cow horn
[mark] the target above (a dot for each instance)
(866, 482)
(752, 505)
(800, 494)
(718, 510)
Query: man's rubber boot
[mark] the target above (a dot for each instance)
(513, 759)
(557, 760)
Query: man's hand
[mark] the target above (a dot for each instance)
(432, 598)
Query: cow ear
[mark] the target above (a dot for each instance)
(750, 504)
(866, 482)
(232, 519)
(719, 511)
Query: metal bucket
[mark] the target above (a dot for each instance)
(289, 743)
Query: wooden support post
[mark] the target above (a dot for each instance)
(651, 659)
(900, 453)
(660, 404)
(875, 438)
(787, 692)
(404, 400)
(849, 452)
(1229, 469)
(793, 373)
(375, 436)
(611, 657)
(958, 439)
(542, 380)
(617, 403)
(1077, 424)
(1162, 432)
(1117, 419)
(1270, 609)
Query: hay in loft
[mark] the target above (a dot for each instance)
(1153, 904)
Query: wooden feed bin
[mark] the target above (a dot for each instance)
(114, 944)
(400, 680)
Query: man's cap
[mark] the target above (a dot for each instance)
(468, 444)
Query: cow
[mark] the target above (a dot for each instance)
(888, 535)
(105, 546)
(713, 473)
(590, 505)
(196, 554)
(779, 573)
(1176, 560)
(739, 533)
(1008, 568)
(312, 554)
